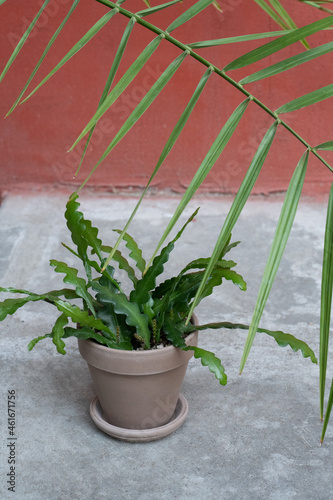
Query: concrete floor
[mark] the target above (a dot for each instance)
(257, 438)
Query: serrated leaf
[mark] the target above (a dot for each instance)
(172, 332)
(121, 261)
(176, 291)
(58, 332)
(130, 310)
(228, 274)
(76, 227)
(209, 359)
(10, 306)
(88, 333)
(81, 316)
(135, 251)
(35, 341)
(281, 338)
(72, 279)
(116, 323)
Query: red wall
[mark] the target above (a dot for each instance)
(35, 138)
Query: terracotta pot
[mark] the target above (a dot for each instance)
(137, 389)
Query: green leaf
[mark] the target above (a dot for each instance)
(284, 339)
(123, 83)
(307, 99)
(140, 109)
(72, 279)
(23, 40)
(58, 332)
(282, 232)
(237, 206)
(279, 44)
(121, 261)
(182, 121)
(141, 293)
(157, 8)
(289, 63)
(135, 251)
(328, 413)
(325, 146)
(230, 275)
(90, 234)
(129, 309)
(78, 46)
(326, 300)
(116, 323)
(202, 263)
(236, 39)
(112, 74)
(10, 306)
(271, 12)
(82, 232)
(49, 45)
(209, 359)
(88, 333)
(281, 338)
(177, 289)
(81, 316)
(286, 18)
(173, 332)
(66, 292)
(213, 154)
(166, 150)
(35, 341)
(189, 14)
(76, 226)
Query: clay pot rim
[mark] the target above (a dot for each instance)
(115, 360)
(146, 352)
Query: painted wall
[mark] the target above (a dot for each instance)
(35, 138)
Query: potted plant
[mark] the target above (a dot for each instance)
(288, 35)
(137, 346)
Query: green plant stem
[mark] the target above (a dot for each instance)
(218, 71)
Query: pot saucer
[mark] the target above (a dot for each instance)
(139, 435)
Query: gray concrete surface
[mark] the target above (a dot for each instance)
(257, 438)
